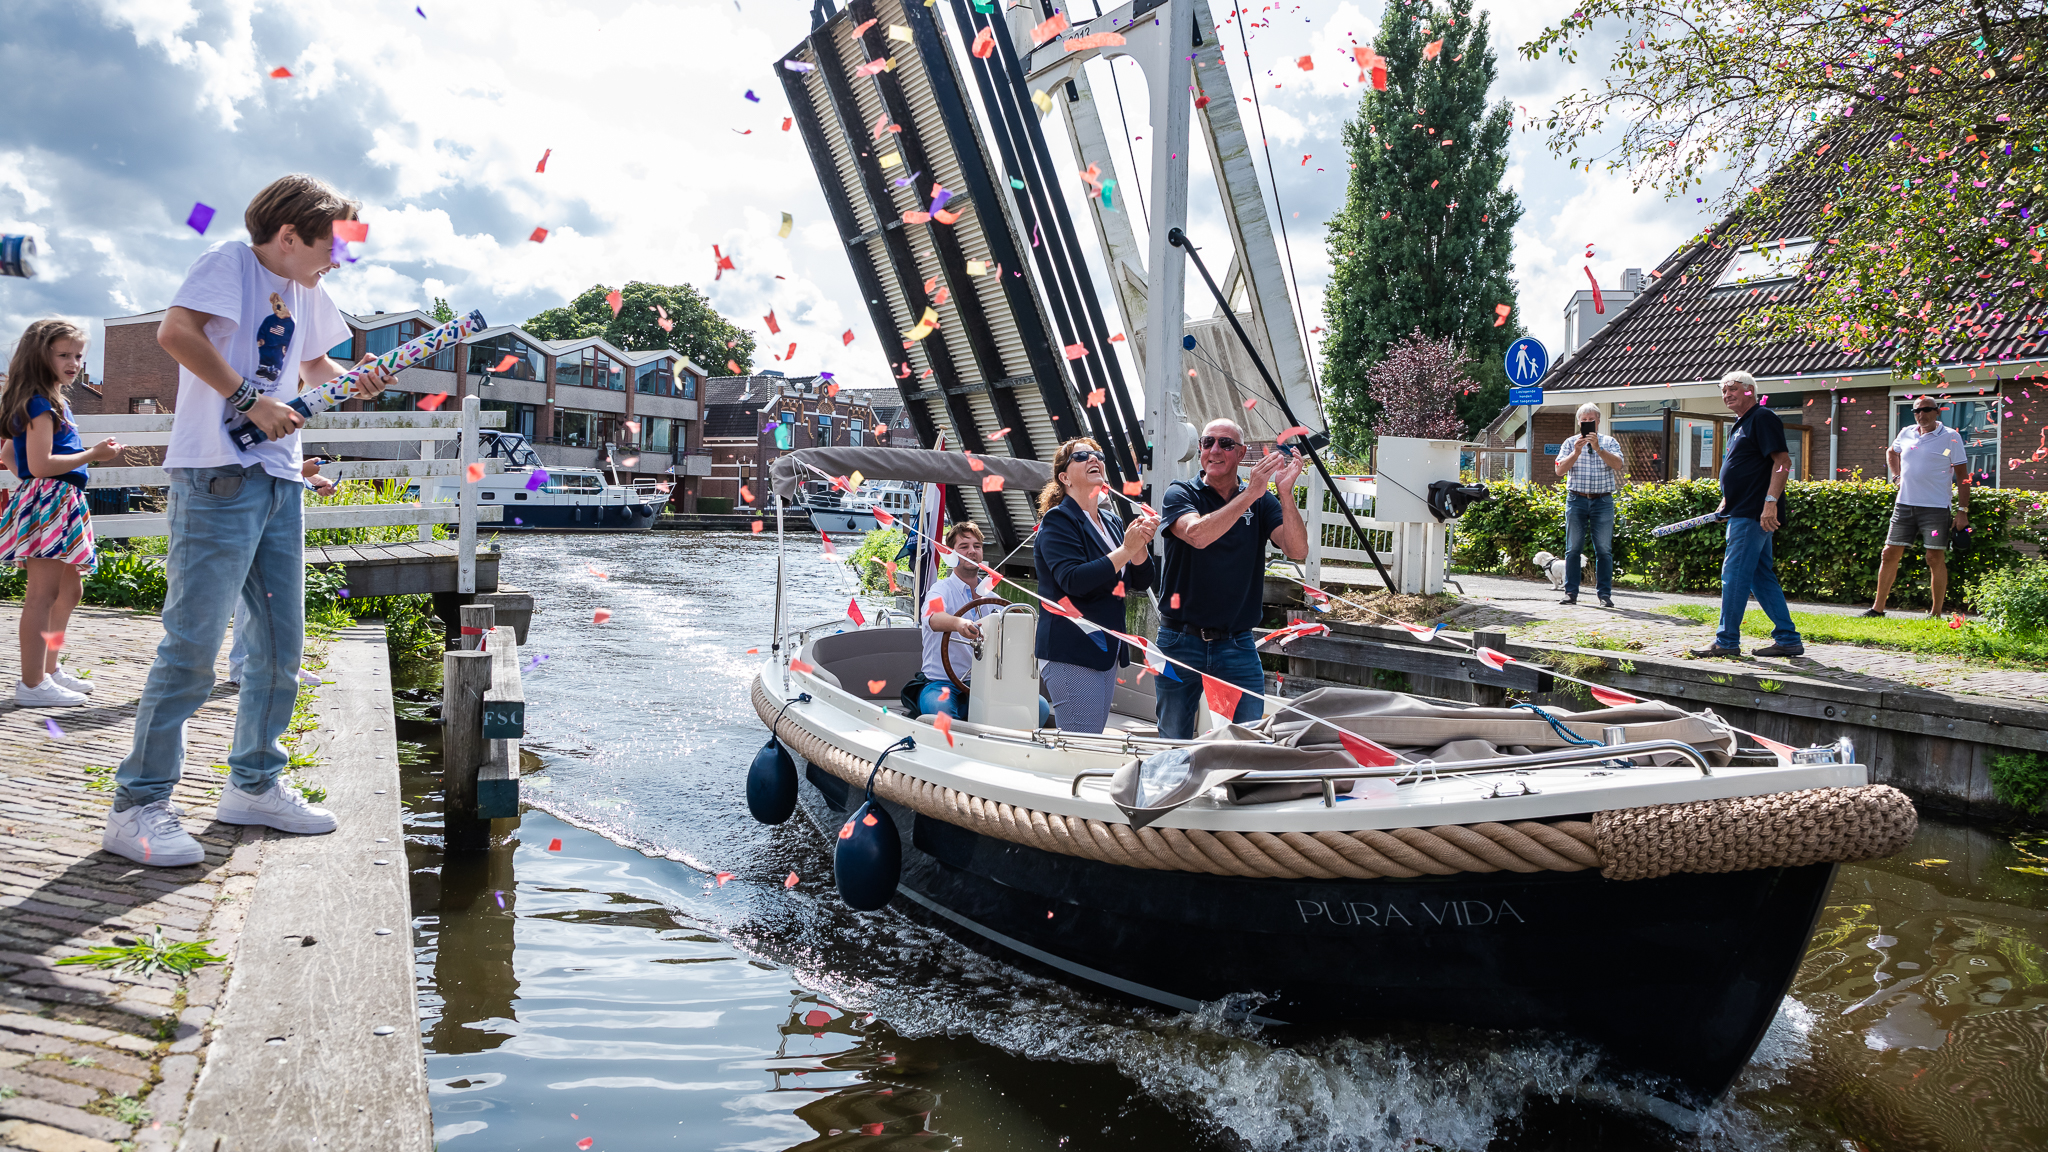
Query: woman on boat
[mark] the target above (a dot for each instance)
(1088, 558)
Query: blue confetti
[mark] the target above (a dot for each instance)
(751, 96)
(201, 217)
(56, 733)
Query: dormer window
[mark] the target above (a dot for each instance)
(1766, 262)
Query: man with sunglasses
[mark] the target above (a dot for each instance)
(1923, 462)
(1215, 570)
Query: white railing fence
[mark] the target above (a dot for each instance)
(428, 429)
(1415, 553)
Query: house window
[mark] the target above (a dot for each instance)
(689, 385)
(601, 371)
(656, 378)
(853, 432)
(1770, 260)
(527, 362)
(392, 400)
(142, 405)
(577, 428)
(344, 351)
(519, 418)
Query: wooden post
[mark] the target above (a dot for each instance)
(1489, 695)
(1313, 515)
(426, 457)
(465, 573)
(465, 678)
(504, 725)
(477, 621)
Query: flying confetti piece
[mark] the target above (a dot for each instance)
(799, 66)
(1076, 351)
(1500, 313)
(352, 231)
(1431, 49)
(724, 265)
(752, 97)
(1599, 305)
(788, 120)
(506, 364)
(1049, 29)
(791, 882)
(1098, 40)
(722, 877)
(434, 402)
(585, 1143)
(1134, 487)
(991, 483)
(944, 724)
(555, 845)
(476, 471)
(600, 616)
(1306, 63)
(1096, 397)
(540, 236)
(788, 222)
(757, 527)
(280, 73)
(201, 216)
(1044, 105)
(614, 299)
(535, 479)
(56, 733)
(54, 641)
(1251, 402)
(543, 165)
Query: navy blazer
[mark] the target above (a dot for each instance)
(1073, 562)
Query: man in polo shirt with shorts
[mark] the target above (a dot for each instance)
(1923, 461)
(1214, 576)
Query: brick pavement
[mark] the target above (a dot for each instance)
(80, 1047)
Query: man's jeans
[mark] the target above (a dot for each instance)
(234, 532)
(1233, 660)
(1594, 516)
(1746, 568)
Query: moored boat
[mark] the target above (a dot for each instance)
(837, 509)
(1633, 876)
(560, 499)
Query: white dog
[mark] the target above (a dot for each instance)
(1553, 567)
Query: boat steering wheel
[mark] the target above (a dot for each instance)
(946, 640)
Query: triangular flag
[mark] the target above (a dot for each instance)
(1367, 753)
(1494, 660)
(1611, 697)
(1783, 751)
(1066, 608)
(827, 542)
(1222, 696)
(854, 613)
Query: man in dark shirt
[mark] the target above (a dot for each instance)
(1215, 571)
(1753, 476)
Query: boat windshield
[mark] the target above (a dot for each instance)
(510, 447)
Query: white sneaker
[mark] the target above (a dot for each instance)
(47, 694)
(281, 808)
(64, 678)
(150, 834)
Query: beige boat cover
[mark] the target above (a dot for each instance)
(1414, 729)
(922, 465)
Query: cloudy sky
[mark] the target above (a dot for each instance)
(119, 115)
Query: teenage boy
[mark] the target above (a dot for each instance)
(1924, 461)
(250, 323)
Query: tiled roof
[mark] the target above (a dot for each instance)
(1673, 332)
(732, 421)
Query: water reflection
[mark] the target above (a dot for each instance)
(615, 990)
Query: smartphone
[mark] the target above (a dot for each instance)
(1586, 427)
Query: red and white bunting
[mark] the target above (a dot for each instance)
(1494, 660)
(1612, 697)
(1366, 752)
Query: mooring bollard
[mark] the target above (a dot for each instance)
(465, 678)
(477, 622)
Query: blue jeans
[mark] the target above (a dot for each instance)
(244, 536)
(1747, 568)
(1584, 516)
(1233, 660)
(929, 704)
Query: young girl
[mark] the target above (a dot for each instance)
(46, 529)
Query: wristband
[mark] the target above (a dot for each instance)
(246, 396)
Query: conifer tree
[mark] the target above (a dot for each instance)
(1425, 240)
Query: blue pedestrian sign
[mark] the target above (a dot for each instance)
(1527, 360)
(1530, 395)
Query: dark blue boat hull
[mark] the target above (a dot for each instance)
(1677, 977)
(562, 518)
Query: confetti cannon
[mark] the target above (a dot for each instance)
(1687, 525)
(16, 252)
(420, 348)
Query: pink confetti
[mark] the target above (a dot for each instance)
(600, 616)
(722, 877)
(791, 882)
(53, 640)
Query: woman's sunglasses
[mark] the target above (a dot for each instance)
(1083, 455)
(1223, 442)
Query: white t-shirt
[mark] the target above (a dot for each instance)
(264, 326)
(1927, 465)
(952, 592)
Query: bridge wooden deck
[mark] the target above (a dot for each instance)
(410, 568)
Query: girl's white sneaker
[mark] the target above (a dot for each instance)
(64, 677)
(47, 694)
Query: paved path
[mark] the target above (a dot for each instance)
(1531, 610)
(85, 1052)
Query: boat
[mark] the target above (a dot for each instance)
(563, 499)
(1637, 878)
(834, 508)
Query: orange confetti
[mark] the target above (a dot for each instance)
(476, 471)
(1076, 351)
(944, 723)
(757, 527)
(875, 687)
(595, 572)
(991, 483)
(280, 73)
(1134, 487)
(722, 877)
(600, 616)
(54, 641)
(1096, 397)
(800, 666)
(791, 882)
(431, 403)
(540, 236)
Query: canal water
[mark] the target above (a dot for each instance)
(598, 978)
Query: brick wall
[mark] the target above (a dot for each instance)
(136, 368)
(1862, 430)
(2024, 434)
(1553, 426)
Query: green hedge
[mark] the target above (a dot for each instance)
(714, 505)
(1828, 551)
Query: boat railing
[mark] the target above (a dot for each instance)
(1422, 769)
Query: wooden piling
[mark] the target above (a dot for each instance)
(477, 621)
(465, 678)
(504, 725)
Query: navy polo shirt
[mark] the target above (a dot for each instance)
(1746, 469)
(1223, 585)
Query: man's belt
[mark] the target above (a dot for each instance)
(1205, 635)
(1588, 495)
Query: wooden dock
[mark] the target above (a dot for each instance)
(410, 568)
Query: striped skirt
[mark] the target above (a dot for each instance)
(47, 520)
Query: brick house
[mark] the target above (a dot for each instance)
(1653, 365)
(750, 420)
(583, 403)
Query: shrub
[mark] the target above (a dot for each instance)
(128, 580)
(1828, 551)
(714, 505)
(2015, 599)
(2020, 779)
(878, 546)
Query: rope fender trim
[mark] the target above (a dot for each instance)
(1786, 829)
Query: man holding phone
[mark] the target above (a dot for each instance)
(1594, 466)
